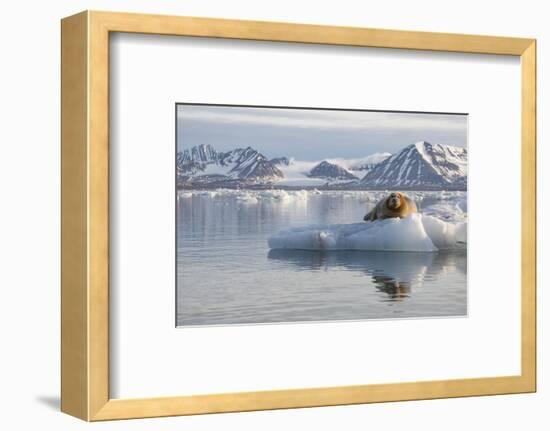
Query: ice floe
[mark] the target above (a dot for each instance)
(440, 225)
(248, 196)
(422, 198)
(416, 233)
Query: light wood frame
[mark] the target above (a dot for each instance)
(85, 215)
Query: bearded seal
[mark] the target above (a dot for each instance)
(395, 205)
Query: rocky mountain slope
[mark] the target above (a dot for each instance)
(421, 165)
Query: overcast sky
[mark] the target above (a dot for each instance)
(309, 134)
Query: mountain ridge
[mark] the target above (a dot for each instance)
(327, 170)
(421, 165)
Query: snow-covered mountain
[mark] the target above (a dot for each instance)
(196, 160)
(205, 164)
(200, 153)
(331, 171)
(250, 164)
(421, 165)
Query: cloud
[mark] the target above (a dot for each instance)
(310, 134)
(321, 119)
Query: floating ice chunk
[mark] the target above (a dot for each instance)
(247, 198)
(282, 195)
(447, 211)
(208, 193)
(406, 234)
(444, 235)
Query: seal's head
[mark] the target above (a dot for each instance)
(394, 201)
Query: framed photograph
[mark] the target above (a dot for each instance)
(264, 215)
(308, 213)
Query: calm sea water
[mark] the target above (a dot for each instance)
(227, 275)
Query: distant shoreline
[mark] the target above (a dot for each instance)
(341, 187)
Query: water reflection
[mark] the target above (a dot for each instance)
(207, 217)
(396, 274)
(227, 275)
